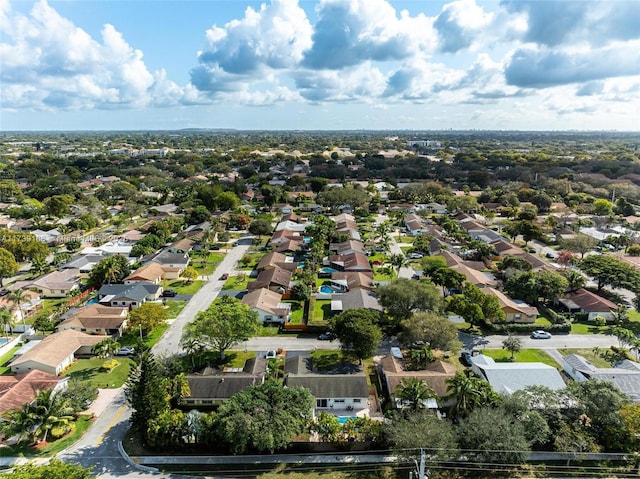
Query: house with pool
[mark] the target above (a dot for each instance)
(343, 391)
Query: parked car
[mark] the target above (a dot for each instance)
(416, 256)
(531, 250)
(125, 351)
(327, 336)
(224, 276)
(169, 293)
(540, 335)
(214, 247)
(271, 354)
(550, 255)
(465, 358)
(235, 243)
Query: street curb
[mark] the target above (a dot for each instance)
(133, 463)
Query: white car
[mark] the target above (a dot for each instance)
(416, 256)
(125, 351)
(540, 335)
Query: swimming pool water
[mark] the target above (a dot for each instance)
(343, 419)
(326, 289)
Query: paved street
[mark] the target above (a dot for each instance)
(170, 343)
(555, 342)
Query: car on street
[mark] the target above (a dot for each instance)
(125, 351)
(540, 335)
(224, 276)
(215, 247)
(326, 336)
(465, 358)
(169, 293)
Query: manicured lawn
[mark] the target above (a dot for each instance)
(184, 287)
(238, 282)
(131, 337)
(326, 360)
(594, 357)
(25, 450)
(250, 260)
(321, 310)
(588, 328)
(379, 274)
(297, 312)
(90, 370)
(232, 358)
(173, 308)
(524, 356)
(406, 239)
(267, 331)
(49, 306)
(542, 321)
(5, 358)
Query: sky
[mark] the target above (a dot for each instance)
(320, 65)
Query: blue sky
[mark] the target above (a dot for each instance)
(325, 64)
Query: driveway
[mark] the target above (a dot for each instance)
(170, 342)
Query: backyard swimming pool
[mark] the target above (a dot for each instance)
(326, 289)
(343, 419)
(3, 341)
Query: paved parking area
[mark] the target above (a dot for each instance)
(105, 397)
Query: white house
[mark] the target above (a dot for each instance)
(269, 306)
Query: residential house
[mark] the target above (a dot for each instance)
(182, 246)
(111, 248)
(624, 375)
(55, 352)
(151, 273)
(96, 319)
(435, 375)
(173, 264)
(586, 302)
(24, 310)
(57, 284)
(355, 299)
(350, 262)
(343, 394)
(284, 235)
(212, 387)
(269, 306)
(129, 295)
(349, 280)
(290, 246)
(132, 236)
(515, 311)
(279, 260)
(506, 378)
(276, 279)
(83, 263)
(481, 232)
(347, 247)
(21, 389)
(291, 226)
(49, 237)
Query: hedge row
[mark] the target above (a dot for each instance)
(529, 328)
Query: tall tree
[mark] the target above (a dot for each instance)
(8, 265)
(431, 328)
(225, 323)
(110, 270)
(402, 297)
(146, 317)
(146, 392)
(265, 418)
(413, 393)
(469, 392)
(106, 348)
(610, 271)
(357, 331)
(580, 243)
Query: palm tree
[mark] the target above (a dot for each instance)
(6, 320)
(469, 392)
(178, 388)
(18, 297)
(20, 422)
(398, 261)
(52, 413)
(105, 348)
(413, 393)
(39, 265)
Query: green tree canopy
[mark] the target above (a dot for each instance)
(265, 418)
(402, 297)
(110, 270)
(8, 265)
(432, 328)
(610, 271)
(55, 469)
(358, 331)
(225, 323)
(146, 316)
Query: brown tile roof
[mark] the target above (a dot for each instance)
(275, 259)
(435, 374)
(96, 316)
(21, 389)
(354, 279)
(352, 261)
(590, 302)
(274, 276)
(266, 300)
(149, 272)
(506, 302)
(53, 349)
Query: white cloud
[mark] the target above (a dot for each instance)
(460, 23)
(49, 63)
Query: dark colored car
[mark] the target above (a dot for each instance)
(327, 336)
(225, 276)
(465, 358)
(169, 293)
(215, 247)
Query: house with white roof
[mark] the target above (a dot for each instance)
(506, 378)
